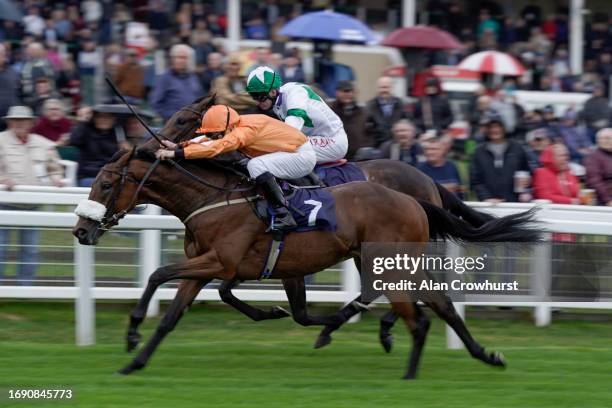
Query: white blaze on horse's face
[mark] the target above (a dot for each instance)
(92, 210)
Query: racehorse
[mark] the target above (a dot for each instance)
(394, 174)
(229, 242)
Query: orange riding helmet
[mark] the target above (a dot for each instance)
(219, 118)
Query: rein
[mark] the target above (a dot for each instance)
(109, 220)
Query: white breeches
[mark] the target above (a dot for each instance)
(284, 165)
(330, 149)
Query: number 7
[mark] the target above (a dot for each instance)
(312, 217)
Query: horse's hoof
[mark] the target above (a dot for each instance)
(128, 369)
(409, 377)
(132, 342)
(322, 341)
(387, 343)
(278, 312)
(497, 359)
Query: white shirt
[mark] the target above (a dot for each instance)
(299, 106)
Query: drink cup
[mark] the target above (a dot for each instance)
(522, 179)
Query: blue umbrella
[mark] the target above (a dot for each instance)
(9, 11)
(328, 25)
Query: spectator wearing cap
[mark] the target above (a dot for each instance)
(432, 111)
(9, 84)
(383, 111)
(403, 145)
(291, 69)
(574, 136)
(599, 167)
(494, 163)
(596, 111)
(53, 124)
(129, 78)
(554, 181)
(97, 138)
(230, 87)
(178, 86)
(25, 159)
(537, 140)
(353, 117)
(438, 167)
(212, 69)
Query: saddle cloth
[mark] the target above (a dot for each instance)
(313, 208)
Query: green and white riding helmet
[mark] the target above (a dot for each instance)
(261, 81)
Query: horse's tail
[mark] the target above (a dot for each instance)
(455, 205)
(519, 227)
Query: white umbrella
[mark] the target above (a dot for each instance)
(493, 62)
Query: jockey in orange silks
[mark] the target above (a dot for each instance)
(274, 149)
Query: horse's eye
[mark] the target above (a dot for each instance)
(180, 121)
(106, 185)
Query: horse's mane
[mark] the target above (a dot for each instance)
(118, 154)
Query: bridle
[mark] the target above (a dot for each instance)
(111, 219)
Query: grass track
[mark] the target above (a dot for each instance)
(216, 358)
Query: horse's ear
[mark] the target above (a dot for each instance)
(211, 101)
(145, 152)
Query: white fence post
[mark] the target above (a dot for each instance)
(541, 271)
(150, 257)
(84, 305)
(351, 284)
(453, 342)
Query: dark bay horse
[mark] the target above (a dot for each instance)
(394, 174)
(229, 242)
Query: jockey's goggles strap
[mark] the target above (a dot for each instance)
(228, 118)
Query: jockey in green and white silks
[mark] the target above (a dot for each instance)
(299, 106)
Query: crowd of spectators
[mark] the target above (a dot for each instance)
(538, 40)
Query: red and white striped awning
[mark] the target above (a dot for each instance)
(492, 62)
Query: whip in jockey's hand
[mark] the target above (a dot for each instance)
(168, 152)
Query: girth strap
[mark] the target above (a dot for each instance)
(220, 204)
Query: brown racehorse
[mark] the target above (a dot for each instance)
(229, 242)
(394, 174)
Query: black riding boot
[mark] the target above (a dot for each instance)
(282, 218)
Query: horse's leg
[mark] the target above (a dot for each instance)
(185, 295)
(349, 310)
(254, 313)
(444, 308)
(386, 323)
(295, 288)
(137, 315)
(160, 276)
(418, 324)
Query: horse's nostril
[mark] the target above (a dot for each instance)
(80, 233)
